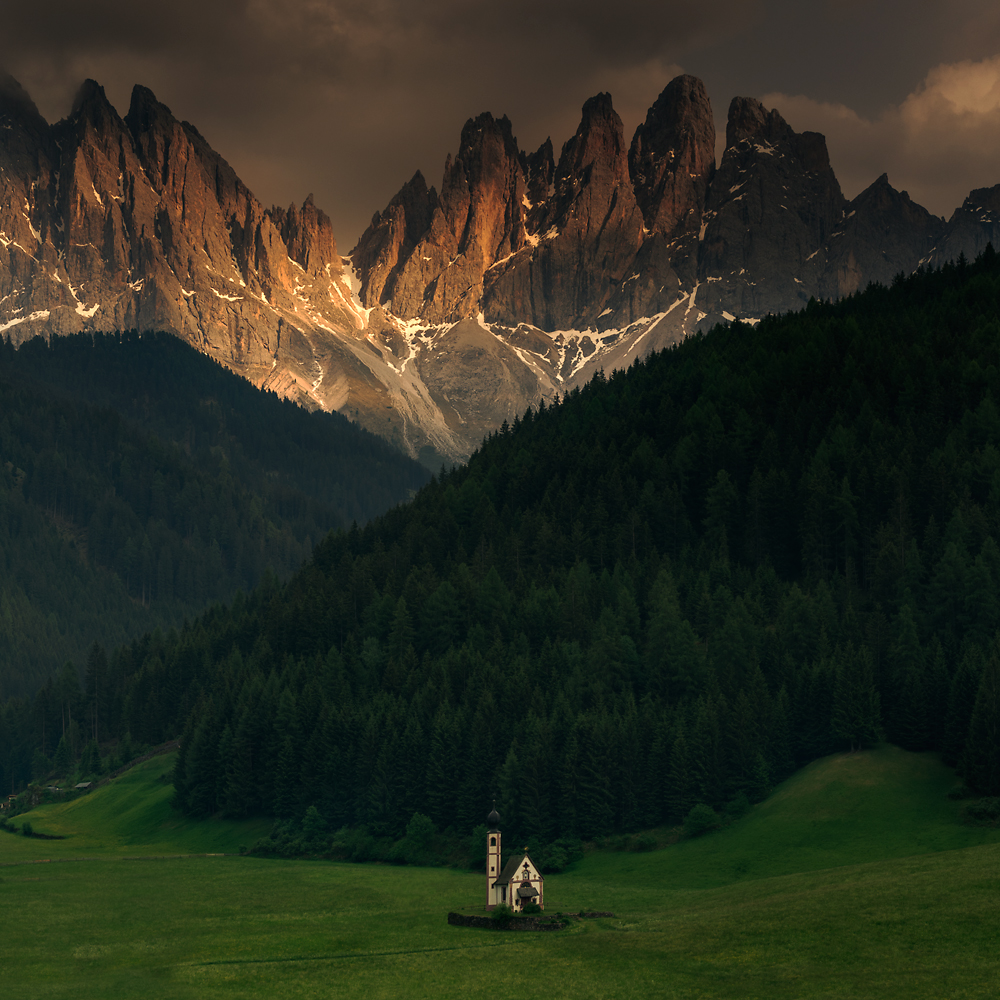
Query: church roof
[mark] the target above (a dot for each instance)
(512, 869)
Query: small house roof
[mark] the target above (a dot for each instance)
(526, 892)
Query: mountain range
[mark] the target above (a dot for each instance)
(518, 280)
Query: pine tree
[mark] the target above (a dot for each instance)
(568, 791)
(412, 769)
(595, 804)
(675, 667)
(937, 687)
(744, 747)
(657, 776)
(856, 716)
(961, 701)
(814, 711)
(981, 604)
(509, 782)
(439, 798)
(96, 682)
(981, 759)
(382, 815)
(781, 759)
(909, 717)
(682, 790)
(62, 762)
(706, 755)
(237, 797)
(201, 763)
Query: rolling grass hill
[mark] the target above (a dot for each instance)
(841, 810)
(130, 815)
(855, 879)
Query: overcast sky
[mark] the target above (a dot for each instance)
(347, 98)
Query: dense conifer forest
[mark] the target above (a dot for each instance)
(673, 587)
(140, 481)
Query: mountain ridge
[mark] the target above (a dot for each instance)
(516, 280)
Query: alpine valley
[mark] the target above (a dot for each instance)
(518, 280)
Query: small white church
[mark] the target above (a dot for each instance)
(519, 883)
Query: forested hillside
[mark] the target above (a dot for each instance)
(676, 586)
(140, 481)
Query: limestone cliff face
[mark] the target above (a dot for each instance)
(773, 203)
(972, 226)
(137, 222)
(512, 235)
(28, 177)
(883, 233)
(456, 310)
(477, 220)
(672, 158)
(585, 235)
(391, 239)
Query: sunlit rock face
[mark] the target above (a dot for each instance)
(517, 279)
(111, 223)
(582, 238)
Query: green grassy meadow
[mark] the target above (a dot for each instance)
(855, 879)
(131, 815)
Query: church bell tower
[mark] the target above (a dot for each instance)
(492, 859)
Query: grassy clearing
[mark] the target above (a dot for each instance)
(131, 815)
(757, 910)
(841, 810)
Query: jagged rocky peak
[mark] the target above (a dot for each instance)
(25, 133)
(539, 170)
(153, 129)
(308, 234)
(145, 112)
(774, 199)
(592, 229)
(91, 105)
(482, 190)
(593, 190)
(28, 161)
(477, 220)
(391, 238)
(972, 226)
(880, 198)
(16, 104)
(749, 119)
(750, 122)
(672, 157)
(883, 233)
(598, 145)
(177, 159)
(417, 202)
(981, 200)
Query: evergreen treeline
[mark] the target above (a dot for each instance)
(140, 481)
(674, 587)
(270, 444)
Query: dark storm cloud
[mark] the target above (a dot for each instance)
(348, 98)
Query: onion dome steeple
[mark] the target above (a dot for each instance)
(494, 818)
